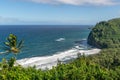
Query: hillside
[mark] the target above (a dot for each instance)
(102, 66)
(105, 34)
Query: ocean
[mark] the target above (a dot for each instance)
(40, 41)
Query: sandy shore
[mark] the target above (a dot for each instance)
(49, 61)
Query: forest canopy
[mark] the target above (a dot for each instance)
(105, 34)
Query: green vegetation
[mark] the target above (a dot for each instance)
(12, 44)
(106, 34)
(102, 66)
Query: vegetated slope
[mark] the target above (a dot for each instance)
(102, 66)
(105, 34)
(93, 67)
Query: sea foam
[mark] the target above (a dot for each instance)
(60, 39)
(50, 61)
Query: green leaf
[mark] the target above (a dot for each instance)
(7, 44)
(20, 44)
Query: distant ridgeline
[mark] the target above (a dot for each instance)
(105, 34)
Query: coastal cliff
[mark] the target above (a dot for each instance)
(105, 34)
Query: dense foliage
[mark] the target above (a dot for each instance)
(105, 34)
(102, 66)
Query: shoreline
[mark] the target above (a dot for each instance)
(47, 62)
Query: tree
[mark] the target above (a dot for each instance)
(12, 44)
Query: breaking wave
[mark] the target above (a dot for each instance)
(50, 61)
(60, 39)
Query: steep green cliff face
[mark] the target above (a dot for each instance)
(105, 34)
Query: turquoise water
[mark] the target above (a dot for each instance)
(44, 40)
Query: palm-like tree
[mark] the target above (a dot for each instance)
(13, 45)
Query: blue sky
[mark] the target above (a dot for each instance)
(55, 12)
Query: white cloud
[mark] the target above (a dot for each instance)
(78, 2)
(9, 20)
